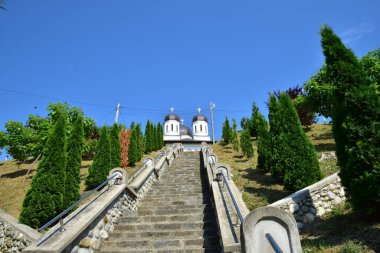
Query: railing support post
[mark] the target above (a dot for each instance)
(61, 229)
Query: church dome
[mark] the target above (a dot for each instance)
(172, 116)
(200, 117)
(184, 130)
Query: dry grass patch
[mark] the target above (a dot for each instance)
(14, 183)
(343, 230)
(258, 188)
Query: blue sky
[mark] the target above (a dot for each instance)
(151, 55)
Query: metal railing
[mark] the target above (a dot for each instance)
(60, 216)
(273, 243)
(138, 171)
(232, 197)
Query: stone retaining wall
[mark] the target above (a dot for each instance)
(92, 222)
(14, 237)
(314, 200)
(126, 203)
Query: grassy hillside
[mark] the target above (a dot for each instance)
(14, 183)
(340, 231)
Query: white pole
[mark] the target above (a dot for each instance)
(117, 113)
(212, 121)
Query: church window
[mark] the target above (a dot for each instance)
(206, 129)
(201, 128)
(167, 129)
(196, 129)
(176, 129)
(172, 127)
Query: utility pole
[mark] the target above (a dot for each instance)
(212, 106)
(117, 113)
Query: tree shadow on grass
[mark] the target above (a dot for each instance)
(271, 195)
(261, 177)
(325, 147)
(17, 173)
(325, 136)
(337, 229)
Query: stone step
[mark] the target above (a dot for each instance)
(160, 195)
(165, 226)
(164, 234)
(175, 202)
(201, 207)
(143, 244)
(162, 210)
(168, 218)
(188, 250)
(166, 198)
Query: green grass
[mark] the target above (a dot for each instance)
(340, 231)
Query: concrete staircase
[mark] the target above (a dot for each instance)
(175, 216)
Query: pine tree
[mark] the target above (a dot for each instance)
(234, 136)
(226, 132)
(356, 120)
(98, 171)
(115, 146)
(263, 144)
(74, 159)
(44, 199)
(246, 143)
(148, 137)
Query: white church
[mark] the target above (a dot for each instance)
(176, 131)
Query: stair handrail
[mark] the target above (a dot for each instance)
(232, 197)
(273, 243)
(139, 170)
(60, 215)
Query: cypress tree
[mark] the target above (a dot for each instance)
(115, 146)
(253, 128)
(277, 140)
(148, 137)
(263, 144)
(226, 132)
(74, 159)
(153, 136)
(356, 120)
(234, 136)
(157, 137)
(101, 165)
(160, 135)
(133, 149)
(246, 144)
(140, 142)
(44, 199)
(301, 162)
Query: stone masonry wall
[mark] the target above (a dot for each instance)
(314, 200)
(14, 237)
(125, 203)
(10, 239)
